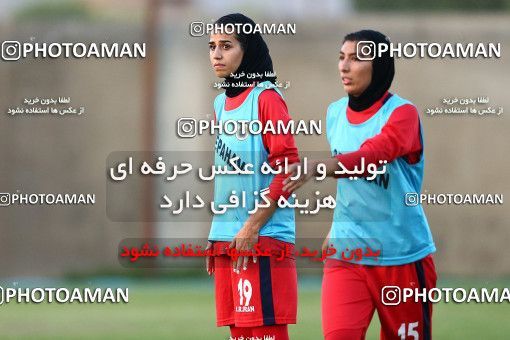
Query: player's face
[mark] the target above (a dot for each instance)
(225, 54)
(355, 74)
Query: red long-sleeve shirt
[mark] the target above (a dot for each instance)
(399, 137)
(279, 146)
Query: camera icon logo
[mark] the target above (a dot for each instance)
(411, 199)
(11, 50)
(197, 29)
(5, 199)
(187, 127)
(365, 50)
(390, 295)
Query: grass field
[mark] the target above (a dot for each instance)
(184, 309)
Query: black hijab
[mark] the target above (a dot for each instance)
(383, 70)
(256, 58)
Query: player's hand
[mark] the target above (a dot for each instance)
(291, 185)
(209, 260)
(245, 239)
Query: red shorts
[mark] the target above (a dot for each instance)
(264, 294)
(351, 293)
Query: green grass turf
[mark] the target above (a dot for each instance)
(185, 310)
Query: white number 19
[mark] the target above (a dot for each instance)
(244, 288)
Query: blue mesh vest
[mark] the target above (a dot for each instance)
(250, 150)
(373, 213)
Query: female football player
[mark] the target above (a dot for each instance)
(254, 298)
(380, 233)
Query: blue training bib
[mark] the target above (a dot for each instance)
(372, 214)
(250, 150)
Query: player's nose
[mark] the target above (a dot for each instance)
(217, 53)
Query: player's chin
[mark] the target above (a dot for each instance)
(349, 89)
(354, 93)
(221, 73)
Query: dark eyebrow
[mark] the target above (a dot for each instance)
(221, 41)
(347, 54)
